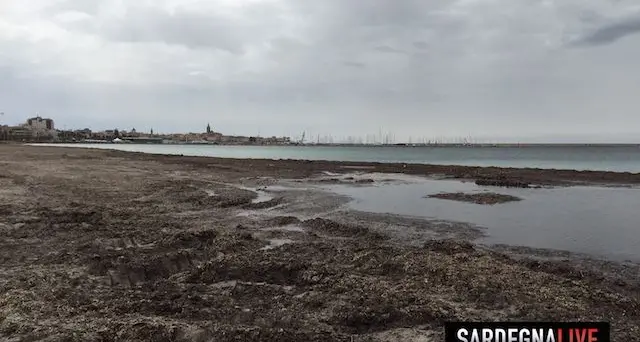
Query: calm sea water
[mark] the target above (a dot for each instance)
(598, 221)
(612, 158)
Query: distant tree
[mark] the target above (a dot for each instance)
(252, 139)
(116, 133)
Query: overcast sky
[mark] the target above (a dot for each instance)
(500, 69)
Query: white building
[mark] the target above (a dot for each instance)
(41, 126)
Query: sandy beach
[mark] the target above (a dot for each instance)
(99, 245)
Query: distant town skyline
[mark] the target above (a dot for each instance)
(381, 136)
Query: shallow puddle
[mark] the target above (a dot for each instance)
(262, 197)
(599, 221)
(273, 243)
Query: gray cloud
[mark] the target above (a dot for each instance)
(610, 33)
(420, 45)
(389, 49)
(188, 28)
(352, 64)
(418, 68)
(60, 6)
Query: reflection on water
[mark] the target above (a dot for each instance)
(594, 220)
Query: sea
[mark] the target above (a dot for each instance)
(619, 158)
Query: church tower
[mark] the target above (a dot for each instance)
(208, 129)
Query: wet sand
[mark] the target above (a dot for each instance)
(103, 245)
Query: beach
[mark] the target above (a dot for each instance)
(100, 245)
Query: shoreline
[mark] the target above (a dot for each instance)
(100, 243)
(538, 176)
(443, 145)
